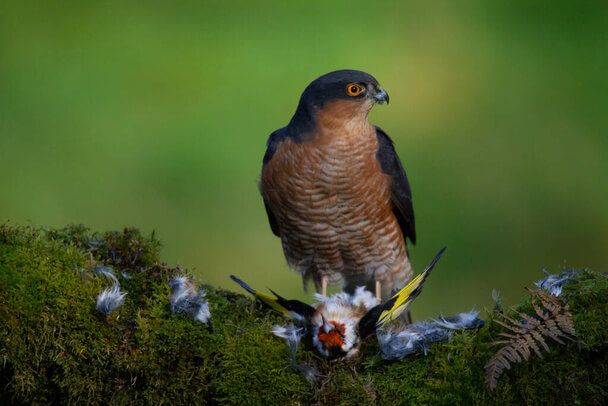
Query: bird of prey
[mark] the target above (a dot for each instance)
(338, 324)
(335, 190)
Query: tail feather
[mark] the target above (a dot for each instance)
(277, 303)
(266, 299)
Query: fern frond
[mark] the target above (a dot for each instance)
(548, 301)
(500, 342)
(521, 346)
(522, 327)
(514, 329)
(529, 319)
(552, 319)
(566, 324)
(539, 338)
(532, 344)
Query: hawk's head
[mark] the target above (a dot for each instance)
(348, 93)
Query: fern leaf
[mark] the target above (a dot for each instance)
(513, 328)
(529, 319)
(521, 346)
(548, 301)
(532, 344)
(554, 331)
(539, 338)
(521, 327)
(565, 322)
(500, 342)
(552, 319)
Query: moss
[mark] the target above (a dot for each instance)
(56, 348)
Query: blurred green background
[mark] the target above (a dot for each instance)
(156, 114)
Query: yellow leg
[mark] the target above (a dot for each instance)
(324, 285)
(378, 291)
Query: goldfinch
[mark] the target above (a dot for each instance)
(339, 323)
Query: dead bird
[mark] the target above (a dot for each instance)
(339, 323)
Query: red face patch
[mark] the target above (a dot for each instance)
(335, 338)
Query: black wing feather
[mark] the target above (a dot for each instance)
(401, 195)
(296, 306)
(271, 146)
(278, 303)
(274, 225)
(367, 324)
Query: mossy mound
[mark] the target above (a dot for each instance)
(56, 348)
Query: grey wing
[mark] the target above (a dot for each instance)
(401, 195)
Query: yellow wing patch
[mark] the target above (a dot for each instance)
(271, 301)
(405, 296)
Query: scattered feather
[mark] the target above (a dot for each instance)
(461, 321)
(185, 299)
(292, 336)
(361, 297)
(497, 300)
(418, 337)
(110, 299)
(310, 373)
(105, 271)
(553, 283)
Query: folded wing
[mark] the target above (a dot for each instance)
(392, 308)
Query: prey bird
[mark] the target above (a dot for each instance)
(335, 191)
(339, 323)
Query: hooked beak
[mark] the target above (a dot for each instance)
(381, 96)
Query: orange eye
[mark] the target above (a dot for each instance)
(354, 89)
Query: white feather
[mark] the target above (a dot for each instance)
(110, 298)
(418, 337)
(292, 336)
(341, 308)
(185, 299)
(553, 283)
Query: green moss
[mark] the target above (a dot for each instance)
(56, 348)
